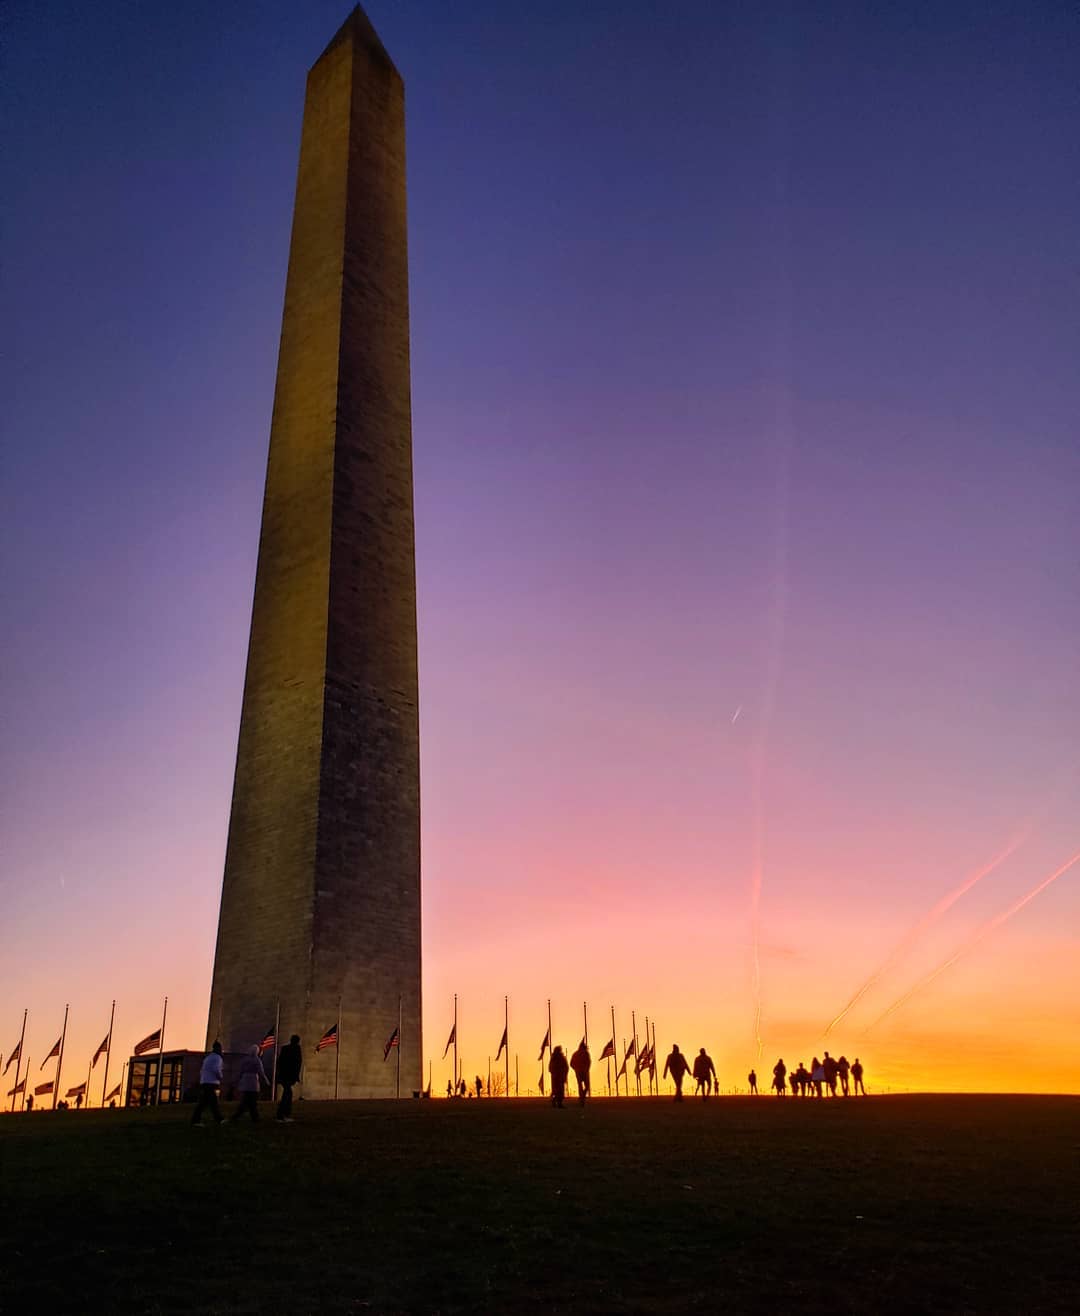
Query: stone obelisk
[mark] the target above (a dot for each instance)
(320, 905)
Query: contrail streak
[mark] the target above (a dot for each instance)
(979, 936)
(928, 920)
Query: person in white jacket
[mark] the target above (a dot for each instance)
(209, 1082)
(252, 1075)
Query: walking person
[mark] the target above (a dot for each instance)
(779, 1078)
(558, 1069)
(817, 1075)
(289, 1062)
(831, 1070)
(209, 1081)
(843, 1069)
(704, 1074)
(751, 1078)
(677, 1067)
(581, 1063)
(252, 1075)
(856, 1074)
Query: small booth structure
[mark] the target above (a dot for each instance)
(179, 1077)
(179, 1073)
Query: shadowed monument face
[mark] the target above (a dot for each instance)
(321, 894)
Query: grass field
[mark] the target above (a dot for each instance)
(914, 1204)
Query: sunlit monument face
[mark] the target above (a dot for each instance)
(321, 895)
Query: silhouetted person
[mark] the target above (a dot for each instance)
(463, 1091)
(843, 1068)
(817, 1075)
(829, 1067)
(30, 1102)
(793, 1082)
(449, 1088)
(210, 1074)
(289, 1062)
(751, 1078)
(779, 1078)
(558, 1068)
(677, 1067)
(479, 1086)
(252, 1075)
(704, 1073)
(802, 1077)
(856, 1074)
(581, 1064)
(78, 1101)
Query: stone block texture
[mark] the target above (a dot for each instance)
(321, 893)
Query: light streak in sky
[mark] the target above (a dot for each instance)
(928, 920)
(974, 940)
(735, 716)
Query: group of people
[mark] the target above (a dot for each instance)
(826, 1074)
(559, 1067)
(250, 1081)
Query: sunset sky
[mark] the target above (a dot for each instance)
(745, 412)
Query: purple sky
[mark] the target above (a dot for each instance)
(745, 346)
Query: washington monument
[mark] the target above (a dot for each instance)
(320, 903)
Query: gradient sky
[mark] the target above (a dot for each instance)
(747, 485)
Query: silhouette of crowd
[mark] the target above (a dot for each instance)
(837, 1077)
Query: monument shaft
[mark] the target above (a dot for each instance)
(321, 893)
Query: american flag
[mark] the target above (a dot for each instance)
(76, 1092)
(151, 1043)
(102, 1049)
(268, 1040)
(394, 1040)
(502, 1045)
(15, 1056)
(450, 1041)
(545, 1045)
(19, 1087)
(54, 1052)
(608, 1050)
(329, 1038)
(43, 1089)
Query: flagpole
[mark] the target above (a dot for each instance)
(26, 1080)
(277, 1043)
(646, 1044)
(59, 1060)
(551, 1044)
(585, 1012)
(656, 1074)
(637, 1055)
(18, 1062)
(489, 1076)
(457, 1076)
(337, 1050)
(123, 1094)
(161, 1054)
(517, 1077)
(399, 1046)
(506, 1034)
(616, 1057)
(108, 1056)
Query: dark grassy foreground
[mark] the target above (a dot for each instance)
(908, 1204)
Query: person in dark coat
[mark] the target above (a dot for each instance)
(581, 1064)
(289, 1062)
(704, 1073)
(751, 1078)
(558, 1068)
(677, 1067)
(779, 1078)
